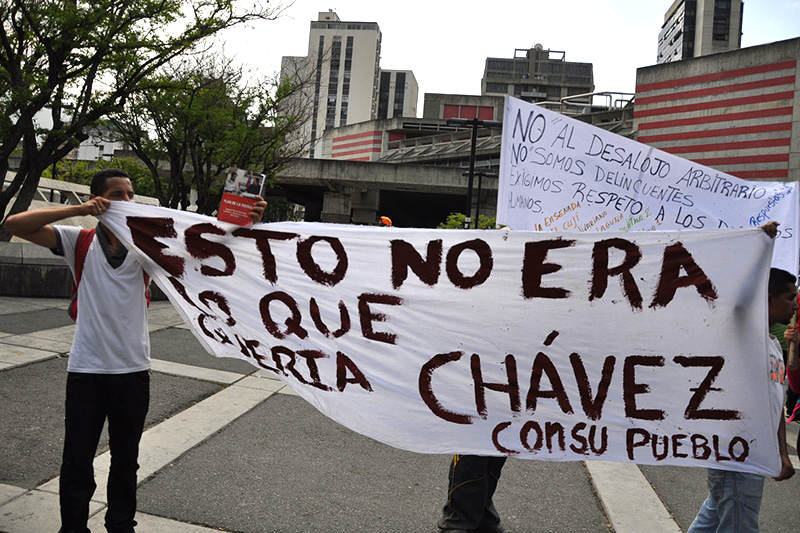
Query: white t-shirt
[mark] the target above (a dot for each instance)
(111, 336)
(777, 376)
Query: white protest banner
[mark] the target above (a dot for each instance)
(560, 174)
(646, 347)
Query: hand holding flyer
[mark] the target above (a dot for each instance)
(242, 191)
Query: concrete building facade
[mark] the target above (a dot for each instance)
(102, 143)
(342, 67)
(397, 94)
(694, 28)
(370, 140)
(536, 75)
(738, 112)
(444, 106)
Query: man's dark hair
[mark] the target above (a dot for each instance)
(778, 280)
(98, 186)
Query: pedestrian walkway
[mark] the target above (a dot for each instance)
(229, 448)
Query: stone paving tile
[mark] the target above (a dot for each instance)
(266, 375)
(20, 323)
(166, 315)
(59, 303)
(683, 491)
(288, 468)
(163, 304)
(11, 305)
(288, 391)
(151, 524)
(63, 334)
(190, 371)
(180, 346)
(622, 487)
(22, 355)
(9, 492)
(32, 416)
(34, 341)
(34, 512)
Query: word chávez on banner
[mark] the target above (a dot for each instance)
(560, 174)
(642, 347)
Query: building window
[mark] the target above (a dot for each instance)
(330, 117)
(383, 95)
(450, 111)
(399, 93)
(468, 111)
(500, 64)
(497, 88)
(333, 82)
(722, 20)
(348, 61)
(317, 81)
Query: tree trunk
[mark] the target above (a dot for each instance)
(24, 183)
(23, 202)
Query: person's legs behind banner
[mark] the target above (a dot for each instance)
(733, 503)
(472, 483)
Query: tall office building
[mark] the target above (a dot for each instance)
(397, 94)
(536, 74)
(694, 28)
(342, 67)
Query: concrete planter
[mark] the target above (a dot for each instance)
(29, 270)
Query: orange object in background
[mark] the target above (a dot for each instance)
(385, 221)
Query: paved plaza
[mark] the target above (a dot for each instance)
(229, 448)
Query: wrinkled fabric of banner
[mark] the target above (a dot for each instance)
(560, 174)
(642, 347)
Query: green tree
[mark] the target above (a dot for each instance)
(82, 172)
(201, 119)
(456, 221)
(80, 61)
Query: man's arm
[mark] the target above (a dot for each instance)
(35, 226)
(790, 336)
(787, 470)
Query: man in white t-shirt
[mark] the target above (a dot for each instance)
(734, 498)
(109, 362)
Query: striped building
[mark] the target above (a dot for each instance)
(360, 146)
(737, 112)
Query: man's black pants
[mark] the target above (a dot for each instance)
(472, 482)
(91, 398)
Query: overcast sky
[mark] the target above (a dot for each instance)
(446, 42)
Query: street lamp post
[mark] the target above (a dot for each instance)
(478, 203)
(474, 122)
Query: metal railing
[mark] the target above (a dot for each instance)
(67, 193)
(613, 101)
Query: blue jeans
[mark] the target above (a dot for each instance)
(734, 499)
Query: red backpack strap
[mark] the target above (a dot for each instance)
(146, 287)
(81, 249)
